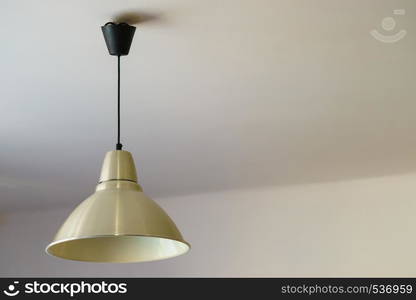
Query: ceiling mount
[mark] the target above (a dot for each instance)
(118, 37)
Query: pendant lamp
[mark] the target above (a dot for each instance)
(118, 223)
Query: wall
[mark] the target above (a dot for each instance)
(356, 228)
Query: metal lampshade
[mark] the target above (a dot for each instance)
(118, 223)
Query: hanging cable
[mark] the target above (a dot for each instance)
(119, 145)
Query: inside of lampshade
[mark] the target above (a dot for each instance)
(117, 248)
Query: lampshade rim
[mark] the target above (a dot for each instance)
(116, 235)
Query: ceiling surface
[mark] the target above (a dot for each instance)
(216, 95)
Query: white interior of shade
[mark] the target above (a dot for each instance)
(118, 249)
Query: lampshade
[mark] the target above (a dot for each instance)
(118, 223)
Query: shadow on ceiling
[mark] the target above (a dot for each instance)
(136, 17)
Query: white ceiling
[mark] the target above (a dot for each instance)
(215, 95)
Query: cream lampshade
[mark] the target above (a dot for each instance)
(118, 223)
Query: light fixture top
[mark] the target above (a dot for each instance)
(118, 37)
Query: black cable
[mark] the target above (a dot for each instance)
(119, 145)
